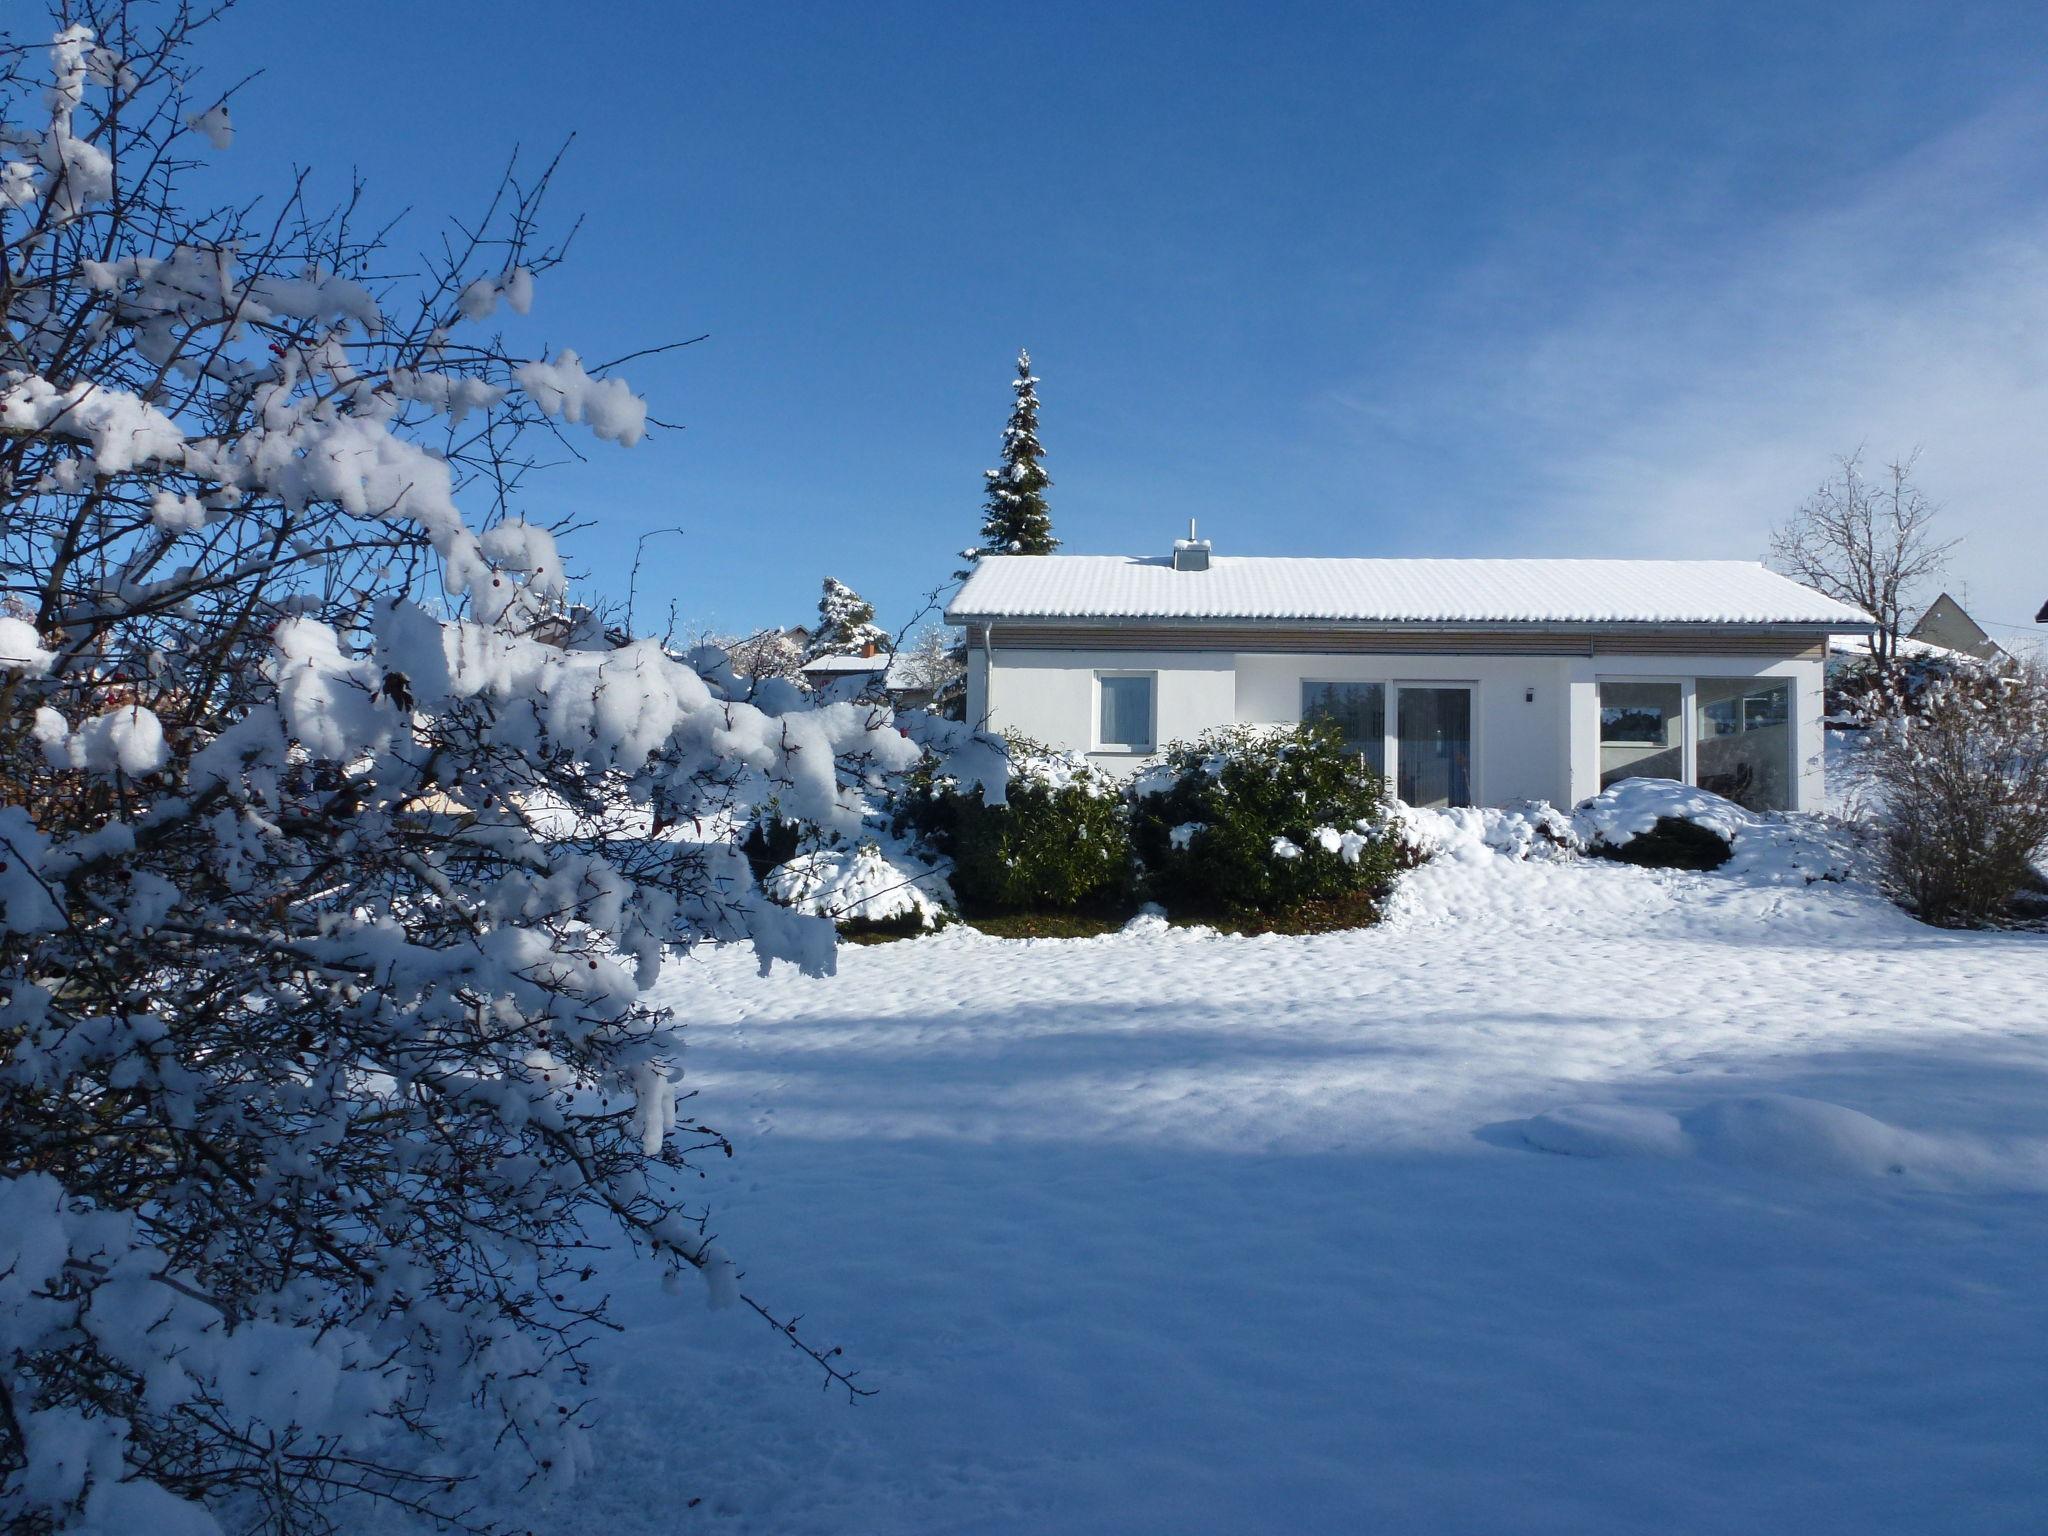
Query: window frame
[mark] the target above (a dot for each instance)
(1688, 719)
(1475, 789)
(1689, 708)
(1118, 748)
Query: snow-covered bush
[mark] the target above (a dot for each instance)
(1267, 823)
(864, 890)
(333, 866)
(1861, 689)
(1660, 824)
(1059, 841)
(1960, 787)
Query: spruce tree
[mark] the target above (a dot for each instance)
(1014, 517)
(846, 625)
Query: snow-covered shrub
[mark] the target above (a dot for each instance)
(1060, 840)
(1660, 824)
(864, 890)
(1961, 791)
(1861, 689)
(1267, 823)
(333, 865)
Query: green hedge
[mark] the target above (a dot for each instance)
(1266, 823)
(1061, 842)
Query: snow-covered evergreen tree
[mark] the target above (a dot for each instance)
(846, 625)
(1014, 519)
(332, 863)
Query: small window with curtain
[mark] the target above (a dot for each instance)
(1358, 712)
(1124, 719)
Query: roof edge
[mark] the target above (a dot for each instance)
(1832, 626)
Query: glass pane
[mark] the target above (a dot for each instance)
(1127, 712)
(1359, 710)
(1642, 728)
(1434, 752)
(1745, 748)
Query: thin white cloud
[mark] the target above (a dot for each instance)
(1686, 413)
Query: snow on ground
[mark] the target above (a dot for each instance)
(1579, 1198)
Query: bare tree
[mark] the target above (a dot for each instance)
(931, 665)
(771, 652)
(1867, 543)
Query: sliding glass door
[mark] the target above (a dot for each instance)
(1745, 741)
(1433, 746)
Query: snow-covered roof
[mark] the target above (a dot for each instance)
(1865, 645)
(844, 664)
(1394, 591)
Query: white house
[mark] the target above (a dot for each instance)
(1469, 682)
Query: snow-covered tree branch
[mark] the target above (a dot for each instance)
(333, 862)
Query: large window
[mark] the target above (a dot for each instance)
(1642, 732)
(1730, 735)
(1124, 720)
(1358, 710)
(1745, 741)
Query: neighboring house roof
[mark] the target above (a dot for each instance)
(844, 665)
(1865, 645)
(1945, 624)
(1122, 587)
(900, 668)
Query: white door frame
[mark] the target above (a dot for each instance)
(1473, 789)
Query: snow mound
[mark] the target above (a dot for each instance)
(1523, 829)
(1792, 849)
(1782, 1133)
(1765, 847)
(861, 884)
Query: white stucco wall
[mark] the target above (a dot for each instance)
(1536, 719)
(1051, 695)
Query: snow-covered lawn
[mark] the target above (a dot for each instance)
(1169, 1232)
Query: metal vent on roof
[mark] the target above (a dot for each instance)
(1191, 553)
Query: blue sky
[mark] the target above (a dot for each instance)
(1343, 279)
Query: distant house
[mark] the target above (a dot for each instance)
(1469, 682)
(825, 671)
(914, 682)
(1946, 625)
